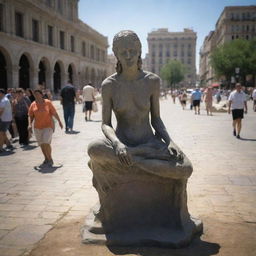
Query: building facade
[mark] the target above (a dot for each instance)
(164, 46)
(234, 22)
(44, 42)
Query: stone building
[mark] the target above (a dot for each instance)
(234, 22)
(111, 69)
(164, 46)
(43, 41)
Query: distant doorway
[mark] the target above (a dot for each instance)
(3, 72)
(24, 72)
(42, 73)
(70, 74)
(57, 78)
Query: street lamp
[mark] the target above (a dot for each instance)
(237, 70)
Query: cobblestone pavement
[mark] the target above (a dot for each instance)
(222, 186)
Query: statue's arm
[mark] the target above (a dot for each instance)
(109, 132)
(156, 120)
(158, 124)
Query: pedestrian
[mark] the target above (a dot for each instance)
(11, 95)
(88, 99)
(68, 99)
(237, 102)
(41, 112)
(196, 99)
(183, 99)
(5, 120)
(208, 100)
(30, 95)
(254, 99)
(20, 111)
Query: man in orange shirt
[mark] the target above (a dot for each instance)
(42, 111)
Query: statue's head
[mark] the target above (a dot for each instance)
(126, 46)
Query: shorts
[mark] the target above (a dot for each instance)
(183, 102)
(87, 106)
(43, 136)
(4, 126)
(196, 103)
(208, 104)
(237, 114)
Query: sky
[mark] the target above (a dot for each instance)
(109, 17)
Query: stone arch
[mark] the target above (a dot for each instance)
(72, 74)
(26, 70)
(87, 75)
(44, 72)
(58, 76)
(93, 76)
(5, 69)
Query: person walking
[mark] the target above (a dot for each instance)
(68, 98)
(88, 99)
(20, 110)
(254, 99)
(183, 99)
(237, 102)
(5, 120)
(41, 113)
(196, 99)
(208, 100)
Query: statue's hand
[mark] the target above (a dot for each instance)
(123, 154)
(175, 151)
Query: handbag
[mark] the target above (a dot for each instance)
(94, 106)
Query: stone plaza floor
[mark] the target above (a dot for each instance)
(42, 210)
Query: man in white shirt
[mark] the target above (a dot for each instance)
(237, 102)
(5, 120)
(254, 99)
(88, 99)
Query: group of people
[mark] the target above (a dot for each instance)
(20, 110)
(237, 103)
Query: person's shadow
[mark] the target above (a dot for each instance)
(245, 139)
(196, 248)
(72, 132)
(47, 169)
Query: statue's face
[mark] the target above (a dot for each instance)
(128, 54)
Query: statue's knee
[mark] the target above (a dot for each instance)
(93, 149)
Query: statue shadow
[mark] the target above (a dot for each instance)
(46, 169)
(196, 248)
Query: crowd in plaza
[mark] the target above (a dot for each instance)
(236, 101)
(23, 112)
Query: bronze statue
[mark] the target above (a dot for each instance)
(134, 159)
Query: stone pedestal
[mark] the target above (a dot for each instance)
(137, 208)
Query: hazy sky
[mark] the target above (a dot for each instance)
(142, 16)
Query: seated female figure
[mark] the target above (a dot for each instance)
(133, 94)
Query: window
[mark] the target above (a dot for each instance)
(1, 17)
(62, 40)
(98, 54)
(232, 37)
(49, 3)
(59, 6)
(35, 30)
(72, 44)
(83, 49)
(92, 52)
(160, 54)
(189, 61)
(50, 35)
(247, 37)
(103, 55)
(19, 24)
(167, 53)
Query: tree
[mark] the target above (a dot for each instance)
(237, 53)
(173, 72)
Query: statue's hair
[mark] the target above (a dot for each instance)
(118, 39)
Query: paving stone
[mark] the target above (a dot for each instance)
(25, 235)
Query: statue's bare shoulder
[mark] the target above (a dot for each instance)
(108, 84)
(152, 79)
